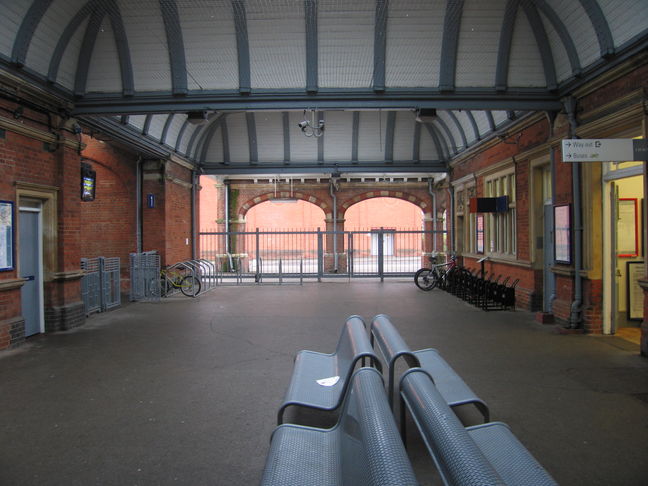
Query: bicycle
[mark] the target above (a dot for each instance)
(174, 278)
(428, 278)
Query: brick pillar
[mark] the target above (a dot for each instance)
(63, 305)
(153, 218)
(428, 239)
(329, 246)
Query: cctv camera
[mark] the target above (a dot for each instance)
(303, 124)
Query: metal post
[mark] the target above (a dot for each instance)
(381, 262)
(320, 256)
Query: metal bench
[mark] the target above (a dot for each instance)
(319, 380)
(363, 448)
(478, 455)
(386, 338)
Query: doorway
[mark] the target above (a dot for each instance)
(30, 243)
(623, 254)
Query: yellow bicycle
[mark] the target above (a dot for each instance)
(174, 278)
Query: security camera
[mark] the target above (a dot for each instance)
(303, 124)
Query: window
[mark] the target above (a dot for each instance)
(500, 227)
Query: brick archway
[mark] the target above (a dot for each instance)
(382, 193)
(269, 196)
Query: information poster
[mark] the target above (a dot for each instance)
(635, 292)
(562, 233)
(6, 235)
(480, 233)
(627, 237)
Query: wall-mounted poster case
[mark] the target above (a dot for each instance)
(6, 235)
(627, 228)
(562, 233)
(635, 292)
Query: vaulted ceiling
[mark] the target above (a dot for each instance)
(224, 83)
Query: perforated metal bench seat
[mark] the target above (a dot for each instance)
(451, 386)
(363, 448)
(486, 454)
(319, 380)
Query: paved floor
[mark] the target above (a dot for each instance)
(186, 391)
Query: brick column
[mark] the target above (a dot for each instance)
(329, 246)
(63, 305)
(153, 219)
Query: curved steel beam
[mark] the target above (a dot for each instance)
(165, 130)
(242, 46)
(390, 129)
(125, 64)
(416, 143)
(462, 132)
(380, 44)
(450, 43)
(310, 12)
(89, 39)
(601, 27)
(504, 50)
(473, 123)
(542, 41)
(355, 134)
(26, 30)
(208, 135)
(147, 124)
(435, 138)
(285, 118)
(252, 137)
(175, 44)
(65, 37)
(563, 33)
(491, 120)
(448, 133)
(180, 135)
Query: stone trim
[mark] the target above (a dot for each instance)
(11, 284)
(38, 134)
(68, 276)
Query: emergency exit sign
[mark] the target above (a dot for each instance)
(604, 150)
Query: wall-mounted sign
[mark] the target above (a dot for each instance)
(6, 235)
(489, 204)
(635, 292)
(150, 201)
(604, 150)
(480, 233)
(627, 224)
(88, 182)
(562, 233)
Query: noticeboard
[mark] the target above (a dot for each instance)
(6, 235)
(562, 233)
(635, 292)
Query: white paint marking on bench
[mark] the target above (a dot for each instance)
(328, 381)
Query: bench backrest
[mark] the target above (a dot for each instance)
(372, 452)
(458, 458)
(354, 344)
(387, 339)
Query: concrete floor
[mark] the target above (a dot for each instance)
(186, 391)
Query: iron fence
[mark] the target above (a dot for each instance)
(261, 255)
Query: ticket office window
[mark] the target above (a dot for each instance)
(500, 228)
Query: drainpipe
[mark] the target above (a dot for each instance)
(138, 205)
(450, 227)
(434, 218)
(575, 317)
(193, 214)
(332, 189)
(226, 186)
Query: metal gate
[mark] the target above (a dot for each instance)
(145, 276)
(260, 256)
(100, 286)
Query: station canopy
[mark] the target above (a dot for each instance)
(312, 86)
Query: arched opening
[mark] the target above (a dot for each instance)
(282, 236)
(386, 227)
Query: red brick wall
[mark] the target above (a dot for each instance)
(109, 222)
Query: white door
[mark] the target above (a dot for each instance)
(31, 267)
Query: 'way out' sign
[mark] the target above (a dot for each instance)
(604, 150)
